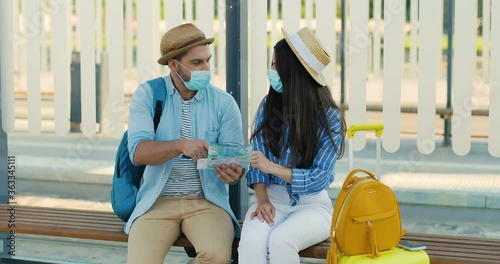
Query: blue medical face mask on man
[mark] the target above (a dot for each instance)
(199, 79)
(275, 80)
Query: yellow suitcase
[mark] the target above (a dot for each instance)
(393, 256)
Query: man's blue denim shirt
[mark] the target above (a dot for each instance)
(215, 118)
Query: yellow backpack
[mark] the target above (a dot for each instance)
(366, 219)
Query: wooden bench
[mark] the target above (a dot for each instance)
(100, 225)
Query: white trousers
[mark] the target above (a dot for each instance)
(295, 228)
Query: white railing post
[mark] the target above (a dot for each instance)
(104, 99)
(494, 125)
(98, 30)
(486, 39)
(173, 17)
(414, 6)
(15, 32)
(464, 69)
(430, 43)
(69, 29)
(205, 22)
(32, 27)
(377, 18)
(22, 41)
(221, 49)
(309, 13)
(358, 59)
(146, 59)
(439, 27)
(258, 86)
(290, 11)
(115, 105)
(87, 66)
(274, 29)
(189, 10)
(128, 35)
(173, 13)
(43, 36)
(60, 65)
(394, 14)
(78, 24)
(325, 30)
(156, 37)
(9, 39)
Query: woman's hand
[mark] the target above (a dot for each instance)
(265, 212)
(260, 162)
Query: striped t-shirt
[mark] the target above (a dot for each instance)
(184, 178)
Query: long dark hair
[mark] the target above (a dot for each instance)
(302, 106)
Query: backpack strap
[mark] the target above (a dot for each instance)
(159, 95)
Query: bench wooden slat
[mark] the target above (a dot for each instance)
(75, 226)
(456, 260)
(460, 247)
(62, 219)
(472, 244)
(102, 225)
(87, 233)
(58, 211)
(477, 255)
(441, 259)
(456, 239)
(36, 209)
(69, 215)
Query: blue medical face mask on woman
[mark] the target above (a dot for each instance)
(199, 79)
(275, 80)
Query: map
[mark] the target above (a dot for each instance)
(226, 154)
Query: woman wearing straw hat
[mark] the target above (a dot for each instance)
(298, 136)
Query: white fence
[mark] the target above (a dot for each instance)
(394, 46)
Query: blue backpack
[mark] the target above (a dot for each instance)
(127, 177)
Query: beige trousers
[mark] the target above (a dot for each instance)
(208, 227)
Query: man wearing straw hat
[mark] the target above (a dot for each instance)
(175, 197)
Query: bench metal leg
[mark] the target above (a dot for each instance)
(4, 249)
(191, 252)
(6, 258)
(234, 257)
(2, 252)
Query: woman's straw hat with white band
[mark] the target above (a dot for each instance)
(310, 52)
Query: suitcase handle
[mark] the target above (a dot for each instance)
(351, 132)
(377, 127)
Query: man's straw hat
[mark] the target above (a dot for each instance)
(180, 39)
(310, 52)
